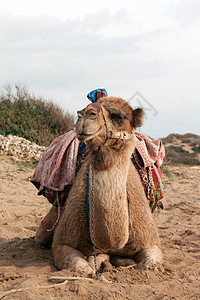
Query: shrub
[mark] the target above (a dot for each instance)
(187, 161)
(33, 118)
(177, 149)
(196, 149)
(186, 141)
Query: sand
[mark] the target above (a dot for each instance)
(25, 267)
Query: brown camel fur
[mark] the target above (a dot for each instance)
(120, 222)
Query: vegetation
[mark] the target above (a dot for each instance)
(196, 149)
(33, 118)
(167, 172)
(182, 149)
(186, 161)
(23, 166)
(177, 149)
(186, 141)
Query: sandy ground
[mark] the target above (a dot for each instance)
(25, 267)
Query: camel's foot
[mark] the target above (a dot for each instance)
(66, 257)
(44, 234)
(149, 258)
(119, 261)
(100, 259)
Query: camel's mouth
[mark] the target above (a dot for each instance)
(83, 137)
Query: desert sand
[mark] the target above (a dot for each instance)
(25, 267)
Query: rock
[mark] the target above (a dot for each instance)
(20, 148)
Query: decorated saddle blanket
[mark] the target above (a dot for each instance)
(57, 169)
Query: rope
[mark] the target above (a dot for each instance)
(93, 222)
(58, 218)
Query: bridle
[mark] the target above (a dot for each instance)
(112, 134)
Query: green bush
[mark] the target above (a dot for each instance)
(186, 141)
(177, 149)
(33, 118)
(187, 161)
(196, 149)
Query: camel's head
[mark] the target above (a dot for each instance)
(108, 118)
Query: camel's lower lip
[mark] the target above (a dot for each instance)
(87, 137)
(82, 137)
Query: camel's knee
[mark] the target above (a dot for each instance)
(148, 258)
(66, 257)
(43, 237)
(45, 232)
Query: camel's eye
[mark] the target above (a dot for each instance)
(118, 118)
(91, 114)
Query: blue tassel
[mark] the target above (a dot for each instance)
(92, 96)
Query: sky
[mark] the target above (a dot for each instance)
(147, 52)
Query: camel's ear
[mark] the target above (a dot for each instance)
(137, 117)
(100, 94)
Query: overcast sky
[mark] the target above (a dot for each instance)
(65, 48)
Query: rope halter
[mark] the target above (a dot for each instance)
(112, 134)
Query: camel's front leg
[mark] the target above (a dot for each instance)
(149, 258)
(100, 259)
(45, 232)
(66, 257)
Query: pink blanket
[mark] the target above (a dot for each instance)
(148, 151)
(57, 167)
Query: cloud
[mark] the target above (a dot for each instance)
(186, 11)
(48, 49)
(64, 59)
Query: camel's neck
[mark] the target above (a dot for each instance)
(109, 198)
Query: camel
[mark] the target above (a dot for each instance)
(106, 215)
